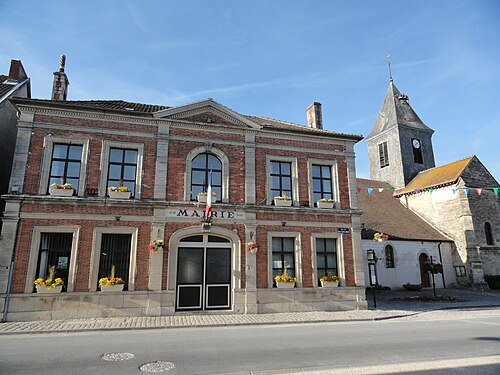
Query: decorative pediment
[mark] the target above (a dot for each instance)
(207, 111)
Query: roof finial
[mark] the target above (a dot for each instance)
(62, 63)
(389, 63)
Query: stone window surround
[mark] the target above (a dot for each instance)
(49, 142)
(340, 255)
(173, 246)
(208, 149)
(297, 254)
(35, 250)
(295, 177)
(333, 164)
(96, 253)
(106, 147)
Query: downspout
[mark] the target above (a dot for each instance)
(441, 261)
(7, 296)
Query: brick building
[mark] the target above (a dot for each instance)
(166, 156)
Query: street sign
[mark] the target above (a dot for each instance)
(343, 230)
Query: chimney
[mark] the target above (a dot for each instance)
(61, 82)
(314, 118)
(16, 71)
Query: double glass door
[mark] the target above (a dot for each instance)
(204, 274)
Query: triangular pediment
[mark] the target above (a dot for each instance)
(207, 112)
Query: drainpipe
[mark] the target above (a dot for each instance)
(441, 261)
(7, 296)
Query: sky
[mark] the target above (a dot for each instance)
(274, 58)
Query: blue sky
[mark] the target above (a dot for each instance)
(273, 58)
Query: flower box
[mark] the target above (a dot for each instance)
(41, 289)
(119, 194)
(61, 192)
(320, 204)
(112, 288)
(284, 285)
(282, 202)
(329, 284)
(202, 197)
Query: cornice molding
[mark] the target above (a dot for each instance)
(211, 109)
(88, 115)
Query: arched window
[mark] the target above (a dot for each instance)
(489, 234)
(202, 167)
(389, 257)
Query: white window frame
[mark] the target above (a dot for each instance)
(96, 252)
(295, 177)
(297, 254)
(207, 149)
(106, 147)
(35, 250)
(333, 164)
(49, 142)
(340, 256)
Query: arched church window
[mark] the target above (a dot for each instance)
(489, 234)
(389, 256)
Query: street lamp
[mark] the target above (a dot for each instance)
(372, 272)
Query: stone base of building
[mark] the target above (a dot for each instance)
(82, 305)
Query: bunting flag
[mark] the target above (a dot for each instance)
(208, 208)
(454, 190)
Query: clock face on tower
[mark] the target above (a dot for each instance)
(416, 143)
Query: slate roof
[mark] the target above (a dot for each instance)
(396, 111)
(382, 212)
(289, 126)
(4, 88)
(440, 176)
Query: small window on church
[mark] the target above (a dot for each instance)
(489, 234)
(417, 151)
(384, 155)
(389, 256)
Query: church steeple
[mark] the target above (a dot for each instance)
(399, 144)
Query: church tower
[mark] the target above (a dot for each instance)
(399, 144)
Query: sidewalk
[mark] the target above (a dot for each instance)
(390, 305)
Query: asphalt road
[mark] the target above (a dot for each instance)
(439, 343)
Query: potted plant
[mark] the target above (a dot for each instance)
(202, 197)
(119, 192)
(51, 284)
(155, 245)
(283, 200)
(252, 247)
(62, 190)
(329, 281)
(284, 281)
(325, 203)
(111, 283)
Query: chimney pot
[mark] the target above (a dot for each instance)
(314, 116)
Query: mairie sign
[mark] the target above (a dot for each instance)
(194, 213)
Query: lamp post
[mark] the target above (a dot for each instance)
(372, 271)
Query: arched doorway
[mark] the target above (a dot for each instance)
(423, 259)
(204, 271)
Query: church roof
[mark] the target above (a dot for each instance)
(436, 177)
(396, 111)
(382, 212)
